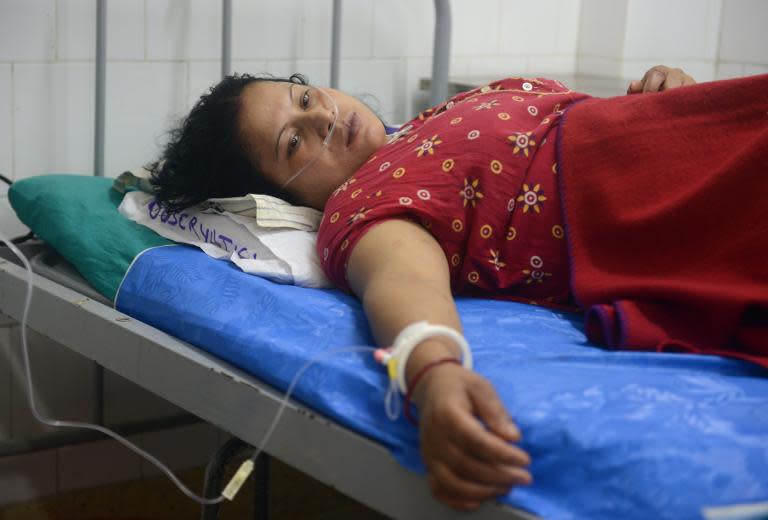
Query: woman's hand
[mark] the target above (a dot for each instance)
(465, 434)
(660, 78)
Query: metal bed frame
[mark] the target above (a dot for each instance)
(66, 309)
(225, 396)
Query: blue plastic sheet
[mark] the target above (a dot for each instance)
(612, 434)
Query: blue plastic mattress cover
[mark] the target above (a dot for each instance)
(611, 434)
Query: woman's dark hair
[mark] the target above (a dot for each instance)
(205, 156)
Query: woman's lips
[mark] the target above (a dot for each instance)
(353, 127)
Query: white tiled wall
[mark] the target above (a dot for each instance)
(684, 33)
(145, 98)
(532, 28)
(267, 30)
(76, 30)
(356, 26)
(602, 24)
(53, 118)
(477, 28)
(27, 30)
(164, 53)
(376, 83)
(684, 29)
(10, 226)
(416, 68)
(744, 35)
(567, 37)
(183, 30)
(709, 39)
(750, 69)
(6, 120)
(404, 28)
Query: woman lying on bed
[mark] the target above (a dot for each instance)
(647, 211)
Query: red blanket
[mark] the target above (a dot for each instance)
(666, 209)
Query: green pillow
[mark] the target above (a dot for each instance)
(77, 215)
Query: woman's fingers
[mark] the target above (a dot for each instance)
(674, 79)
(687, 80)
(491, 410)
(446, 484)
(654, 79)
(452, 461)
(635, 87)
(678, 78)
(468, 463)
(467, 467)
(469, 433)
(659, 79)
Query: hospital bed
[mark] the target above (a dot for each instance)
(217, 392)
(641, 435)
(563, 394)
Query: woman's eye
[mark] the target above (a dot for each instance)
(293, 143)
(305, 99)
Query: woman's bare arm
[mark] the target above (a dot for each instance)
(401, 275)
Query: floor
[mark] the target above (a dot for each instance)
(293, 495)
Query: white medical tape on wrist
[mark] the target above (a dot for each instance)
(409, 338)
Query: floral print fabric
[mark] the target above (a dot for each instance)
(480, 173)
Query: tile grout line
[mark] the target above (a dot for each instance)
(13, 122)
(55, 30)
(146, 32)
(720, 39)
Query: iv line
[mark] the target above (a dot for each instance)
(244, 470)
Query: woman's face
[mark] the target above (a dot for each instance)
(284, 125)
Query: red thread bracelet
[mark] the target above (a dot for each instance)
(426, 368)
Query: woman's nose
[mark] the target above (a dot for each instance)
(320, 120)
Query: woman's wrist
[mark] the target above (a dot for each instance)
(428, 351)
(414, 388)
(428, 342)
(434, 374)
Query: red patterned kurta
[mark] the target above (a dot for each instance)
(480, 173)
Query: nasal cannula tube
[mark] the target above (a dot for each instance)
(325, 141)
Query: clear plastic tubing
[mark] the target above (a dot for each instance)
(244, 470)
(327, 139)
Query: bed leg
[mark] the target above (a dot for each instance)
(235, 451)
(261, 487)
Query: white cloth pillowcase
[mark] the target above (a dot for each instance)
(268, 211)
(262, 235)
